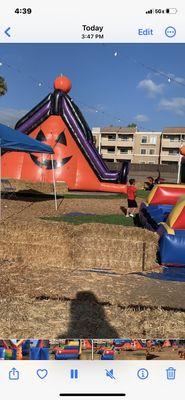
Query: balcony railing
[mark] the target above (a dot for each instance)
(169, 157)
(171, 143)
(125, 139)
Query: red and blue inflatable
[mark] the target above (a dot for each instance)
(164, 212)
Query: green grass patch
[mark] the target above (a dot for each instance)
(143, 194)
(114, 219)
(140, 193)
(93, 196)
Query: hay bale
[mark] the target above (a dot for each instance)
(36, 243)
(115, 248)
(119, 249)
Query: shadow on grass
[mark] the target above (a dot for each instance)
(79, 218)
(30, 195)
(136, 221)
(123, 209)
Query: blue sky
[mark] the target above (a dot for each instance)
(109, 82)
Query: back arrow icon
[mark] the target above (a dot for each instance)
(7, 32)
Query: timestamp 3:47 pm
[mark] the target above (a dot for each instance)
(92, 36)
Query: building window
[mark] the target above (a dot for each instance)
(108, 159)
(144, 139)
(111, 138)
(175, 138)
(153, 139)
(110, 150)
(151, 162)
(125, 138)
(143, 151)
(151, 152)
(124, 150)
(173, 151)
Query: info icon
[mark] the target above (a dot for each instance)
(142, 373)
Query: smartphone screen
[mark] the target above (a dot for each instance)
(92, 200)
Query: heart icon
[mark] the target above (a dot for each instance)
(42, 373)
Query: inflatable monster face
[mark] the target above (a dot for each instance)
(47, 163)
(36, 167)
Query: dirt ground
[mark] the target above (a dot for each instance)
(27, 208)
(68, 307)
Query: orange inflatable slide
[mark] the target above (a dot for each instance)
(57, 121)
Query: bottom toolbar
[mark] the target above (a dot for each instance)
(87, 379)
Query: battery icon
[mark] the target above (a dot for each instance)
(171, 11)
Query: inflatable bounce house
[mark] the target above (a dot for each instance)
(58, 122)
(87, 344)
(164, 213)
(70, 351)
(108, 354)
(24, 349)
(39, 350)
(129, 344)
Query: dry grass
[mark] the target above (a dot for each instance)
(50, 302)
(30, 318)
(48, 287)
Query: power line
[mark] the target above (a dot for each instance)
(170, 77)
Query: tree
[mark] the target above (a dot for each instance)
(132, 125)
(3, 86)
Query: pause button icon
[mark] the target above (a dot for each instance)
(74, 374)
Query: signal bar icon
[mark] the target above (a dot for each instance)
(150, 11)
(160, 11)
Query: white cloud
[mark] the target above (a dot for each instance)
(141, 118)
(179, 79)
(175, 105)
(9, 116)
(151, 88)
(92, 110)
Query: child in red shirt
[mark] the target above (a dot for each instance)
(131, 198)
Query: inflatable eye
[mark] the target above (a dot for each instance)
(40, 136)
(62, 139)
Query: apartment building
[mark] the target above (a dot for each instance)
(116, 144)
(146, 147)
(172, 138)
